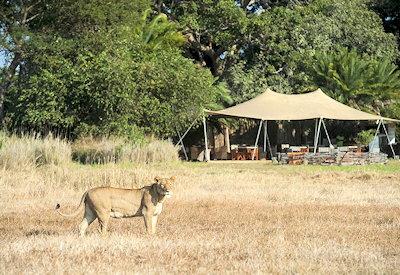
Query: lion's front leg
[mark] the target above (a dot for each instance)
(149, 221)
(154, 224)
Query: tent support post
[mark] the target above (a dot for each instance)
(187, 131)
(206, 155)
(266, 138)
(183, 146)
(326, 132)
(318, 129)
(388, 139)
(376, 134)
(315, 131)
(256, 143)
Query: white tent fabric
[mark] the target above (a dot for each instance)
(276, 106)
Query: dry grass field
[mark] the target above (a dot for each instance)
(224, 217)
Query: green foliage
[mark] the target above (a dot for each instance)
(361, 81)
(169, 85)
(288, 47)
(365, 137)
(158, 32)
(110, 77)
(216, 31)
(120, 68)
(244, 83)
(339, 141)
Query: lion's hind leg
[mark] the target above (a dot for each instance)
(88, 218)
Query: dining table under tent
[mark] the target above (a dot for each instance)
(273, 106)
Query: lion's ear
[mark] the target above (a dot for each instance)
(157, 179)
(173, 178)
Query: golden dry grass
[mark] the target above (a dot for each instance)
(229, 217)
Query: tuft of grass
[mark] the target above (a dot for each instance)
(114, 150)
(151, 152)
(31, 151)
(97, 151)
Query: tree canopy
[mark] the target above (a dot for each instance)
(134, 68)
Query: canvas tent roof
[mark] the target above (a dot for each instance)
(276, 106)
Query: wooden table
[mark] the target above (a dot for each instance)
(245, 153)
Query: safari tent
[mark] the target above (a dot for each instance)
(316, 105)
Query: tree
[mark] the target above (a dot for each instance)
(323, 25)
(214, 29)
(17, 22)
(109, 76)
(360, 81)
(158, 32)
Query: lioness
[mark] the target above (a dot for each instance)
(106, 202)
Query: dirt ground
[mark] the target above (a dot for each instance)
(223, 217)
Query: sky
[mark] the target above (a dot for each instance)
(2, 59)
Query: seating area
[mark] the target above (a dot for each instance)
(236, 152)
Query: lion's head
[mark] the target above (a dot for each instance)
(164, 185)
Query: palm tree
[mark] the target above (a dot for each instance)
(158, 31)
(361, 82)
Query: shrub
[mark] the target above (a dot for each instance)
(365, 137)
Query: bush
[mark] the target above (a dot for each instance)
(365, 137)
(32, 151)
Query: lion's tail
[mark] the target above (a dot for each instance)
(77, 208)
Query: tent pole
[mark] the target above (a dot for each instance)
(187, 131)
(265, 136)
(206, 155)
(326, 132)
(376, 134)
(269, 144)
(388, 139)
(315, 131)
(256, 143)
(183, 146)
(317, 135)
(266, 139)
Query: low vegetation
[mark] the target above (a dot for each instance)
(114, 150)
(224, 217)
(26, 151)
(29, 151)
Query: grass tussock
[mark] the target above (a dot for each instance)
(32, 151)
(114, 150)
(97, 151)
(152, 152)
(29, 151)
(223, 218)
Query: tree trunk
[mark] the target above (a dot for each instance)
(227, 141)
(9, 74)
